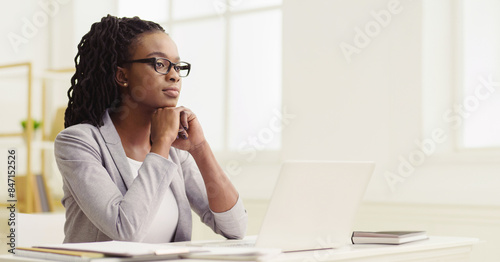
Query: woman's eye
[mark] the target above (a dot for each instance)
(160, 64)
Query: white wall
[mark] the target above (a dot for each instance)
(365, 109)
(71, 24)
(24, 29)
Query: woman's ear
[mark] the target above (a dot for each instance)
(121, 76)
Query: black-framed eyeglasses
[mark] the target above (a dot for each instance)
(163, 65)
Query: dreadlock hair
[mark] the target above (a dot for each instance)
(93, 86)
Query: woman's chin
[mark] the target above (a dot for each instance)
(169, 104)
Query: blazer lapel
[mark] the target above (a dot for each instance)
(114, 144)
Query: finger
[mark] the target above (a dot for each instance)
(184, 120)
(182, 133)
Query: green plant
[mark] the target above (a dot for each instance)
(36, 124)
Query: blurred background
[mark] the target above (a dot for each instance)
(408, 84)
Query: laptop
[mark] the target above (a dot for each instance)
(313, 206)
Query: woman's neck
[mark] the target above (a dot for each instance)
(134, 129)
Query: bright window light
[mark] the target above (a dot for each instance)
(481, 57)
(255, 80)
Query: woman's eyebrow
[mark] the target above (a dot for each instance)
(161, 54)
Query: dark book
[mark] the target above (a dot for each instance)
(387, 237)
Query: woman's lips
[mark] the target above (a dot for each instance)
(172, 92)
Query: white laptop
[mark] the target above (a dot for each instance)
(313, 205)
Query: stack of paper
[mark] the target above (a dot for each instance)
(106, 251)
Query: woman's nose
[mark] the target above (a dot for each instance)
(173, 76)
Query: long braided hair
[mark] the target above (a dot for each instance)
(93, 86)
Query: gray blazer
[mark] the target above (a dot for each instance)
(104, 202)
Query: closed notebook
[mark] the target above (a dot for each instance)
(387, 237)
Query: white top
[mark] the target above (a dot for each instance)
(162, 229)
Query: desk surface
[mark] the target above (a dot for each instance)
(442, 248)
(435, 248)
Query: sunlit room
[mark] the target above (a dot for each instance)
(269, 87)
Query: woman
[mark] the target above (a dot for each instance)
(133, 163)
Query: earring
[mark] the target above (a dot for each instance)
(125, 84)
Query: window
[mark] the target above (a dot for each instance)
(234, 47)
(480, 106)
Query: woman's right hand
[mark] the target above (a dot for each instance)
(164, 129)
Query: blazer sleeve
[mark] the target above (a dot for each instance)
(121, 216)
(230, 224)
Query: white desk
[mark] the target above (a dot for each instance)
(435, 249)
(449, 249)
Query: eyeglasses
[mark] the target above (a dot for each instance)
(163, 65)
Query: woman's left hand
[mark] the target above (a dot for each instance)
(190, 131)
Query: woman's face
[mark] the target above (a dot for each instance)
(145, 86)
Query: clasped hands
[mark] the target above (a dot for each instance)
(177, 127)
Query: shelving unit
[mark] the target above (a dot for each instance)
(29, 203)
(29, 198)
